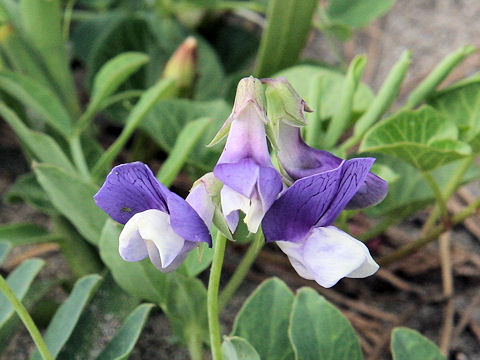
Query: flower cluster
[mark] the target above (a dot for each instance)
(296, 203)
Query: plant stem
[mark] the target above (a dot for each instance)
(449, 189)
(379, 228)
(441, 201)
(212, 296)
(194, 346)
(241, 271)
(410, 248)
(26, 319)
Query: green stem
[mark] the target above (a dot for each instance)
(194, 346)
(212, 296)
(412, 247)
(241, 271)
(449, 189)
(26, 319)
(436, 192)
(79, 157)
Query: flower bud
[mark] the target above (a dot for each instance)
(182, 66)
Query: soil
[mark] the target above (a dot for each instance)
(406, 294)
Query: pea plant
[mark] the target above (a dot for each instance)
(279, 150)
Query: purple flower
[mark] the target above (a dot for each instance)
(158, 223)
(300, 160)
(300, 222)
(251, 183)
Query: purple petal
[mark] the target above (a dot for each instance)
(354, 172)
(315, 200)
(185, 221)
(202, 203)
(372, 191)
(240, 176)
(130, 189)
(269, 186)
(301, 206)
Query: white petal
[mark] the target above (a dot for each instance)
(130, 244)
(294, 252)
(154, 225)
(331, 254)
(254, 213)
(231, 202)
(369, 266)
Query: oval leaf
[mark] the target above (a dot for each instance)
(264, 318)
(318, 330)
(408, 344)
(423, 138)
(236, 348)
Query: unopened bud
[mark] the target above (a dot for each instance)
(182, 66)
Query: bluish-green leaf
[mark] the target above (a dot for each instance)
(237, 348)
(113, 74)
(24, 233)
(288, 25)
(264, 318)
(99, 321)
(318, 330)
(461, 103)
(197, 260)
(39, 98)
(27, 189)
(303, 77)
(4, 249)
(408, 344)
(19, 281)
(43, 147)
(424, 138)
(167, 119)
(357, 13)
(122, 344)
(72, 197)
(185, 143)
(140, 279)
(67, 315)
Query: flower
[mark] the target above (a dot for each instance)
(286, 110)
(251, 183)
(300, 221)
(158, 222)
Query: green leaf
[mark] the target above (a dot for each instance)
(140, 279)
(99, 321)
(24, 233)
(288, 25)
(424, 138)
(187, 308)
(19, 281)
(41, 145)
(303, 77)
(4, 249)
(167, 119)
(408, 344)
(357, 13)
(318, 330)
(237, 348)
(39, 98)
(72, 197)
(264, 318)
(197, 260)
(26, 188)
(160, 91)
(185, 143)
(113, 74)
(461, 103)
(410, 192)
(65, 319)
(122, 344)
